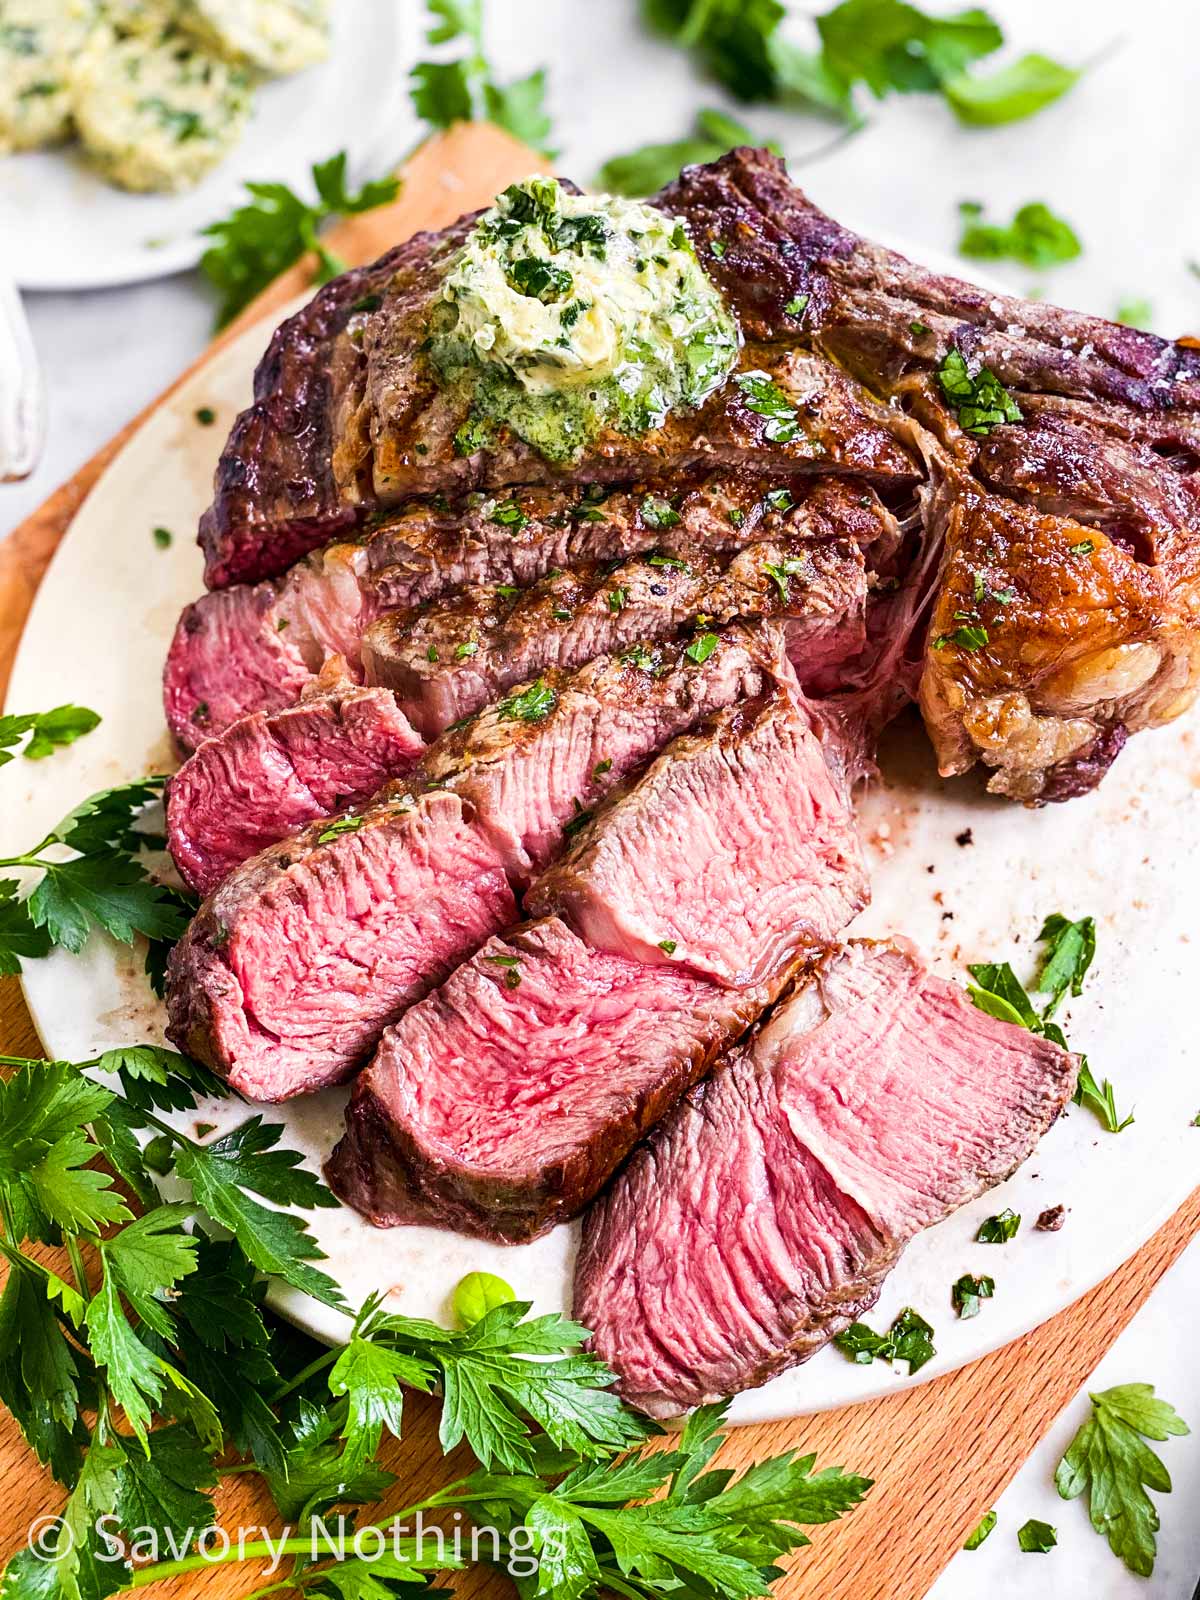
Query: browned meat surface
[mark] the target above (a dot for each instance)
(254, 648)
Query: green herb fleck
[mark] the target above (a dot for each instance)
(766, 399)
(659, 513)
(984, 1526)
(531, 705)
(350, 823)
(999, 1229)
(981, 403)
(668, 946)
(701, 648)
(1036, 1538)
(163, 537)
(910, 1338)
(205, 416)
(968, 1292)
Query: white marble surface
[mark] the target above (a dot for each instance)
(1118, 158)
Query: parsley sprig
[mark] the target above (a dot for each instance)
(1069, 949)
(883, 46)
(148, 1355)
(261, 239)
(1110, 1461)
(103, 882)
(466, 90)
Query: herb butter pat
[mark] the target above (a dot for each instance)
(565, 313)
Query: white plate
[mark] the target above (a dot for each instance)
(98, 633)
(65, 228)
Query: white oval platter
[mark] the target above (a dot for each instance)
(65, 228)
(1125, 854)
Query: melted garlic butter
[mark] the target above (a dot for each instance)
(563, 313)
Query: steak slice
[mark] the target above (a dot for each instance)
(734, 850)
(446, 662)
(268, 774)
(502, 1102)
(291, 969)
(254, 648)
(763, 1214)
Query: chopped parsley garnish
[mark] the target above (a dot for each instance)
(1070, 948)
(1110, 1461)
(660, 560)
(782, 573)
(717, 246)
(797, 306)
(540, 280)
(999, 1229)
(981, 403)
(919, 329)
(910, 1338)
(509, 514)
(1084, 547)
(205, 416)
(969, 1291)
(701, 648)
(350, 823)
(163, 537)
(507, 591)
(1035, 236)
(530, 705)
(668, 946)
(562, 614)
(465, 650)
(736, 516)
(658, 513)
(432, 653)
(640, 655)
(1036, 1538)
(602, 766)
(971, 637)
(617, 599)
(981, 1530)
(512, 969)
(579, 821)
(369, 302)
(766, 399)
(779, 499)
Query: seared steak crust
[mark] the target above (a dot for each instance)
(762, 1214)
(255, 648)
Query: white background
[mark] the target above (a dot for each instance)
(1118, 157)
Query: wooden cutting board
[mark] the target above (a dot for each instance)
(940, 1452)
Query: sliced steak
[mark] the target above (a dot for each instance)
(503, 1101)
(734, 850)
(764, 1212)
(291, 969)
(445, 662)
(254, 648)
(268, 774)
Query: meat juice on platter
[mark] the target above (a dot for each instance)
(564, 573)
